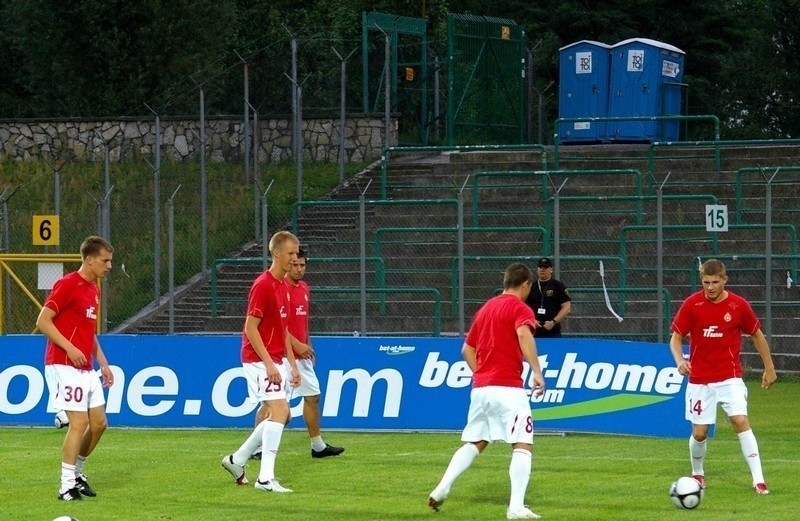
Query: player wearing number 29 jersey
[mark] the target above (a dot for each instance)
(715, 330)
(268, 301)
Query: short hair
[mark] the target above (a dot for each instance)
(279, 238)
(92, 245)
(712, 267)
(516, 275)
(301, 253)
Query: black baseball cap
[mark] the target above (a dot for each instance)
(544, 262)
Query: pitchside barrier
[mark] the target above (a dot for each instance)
(392, 384)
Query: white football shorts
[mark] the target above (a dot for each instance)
(259, 388)
(499, 414)
(73, 389)
(309, 383)
(702, 400)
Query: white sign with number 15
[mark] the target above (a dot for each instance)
(717, 217)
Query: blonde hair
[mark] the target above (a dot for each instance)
(280, 238)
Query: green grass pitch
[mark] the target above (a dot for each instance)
(159, 474)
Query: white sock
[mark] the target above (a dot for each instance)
(520, 473)
(750, 451)
(249, 446)
(270, 442)
(67, 477)
(697, 453)
(317, 444)
(79, 463)
(460, 462)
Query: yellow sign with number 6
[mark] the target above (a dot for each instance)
(46, 230)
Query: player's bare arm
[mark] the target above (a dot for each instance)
(251, 330)
(105, 370)
(303, 350)
(676, 346)
(468, 352)
(528, 347)
(45, 324)
(761, 345)
(295, 374)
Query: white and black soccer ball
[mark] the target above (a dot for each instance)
(65, 518)
(61, 420)
(686, 492)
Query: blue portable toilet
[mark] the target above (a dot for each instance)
(645, 80)
(583, 90)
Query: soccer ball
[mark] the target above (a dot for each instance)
(65, 518)
(61, 420)
(686, 493)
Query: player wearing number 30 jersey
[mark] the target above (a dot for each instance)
(714, 320)
(69, 319)
(500, 336)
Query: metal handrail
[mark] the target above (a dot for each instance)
(713, 119)
(717, 144)
(380, 275)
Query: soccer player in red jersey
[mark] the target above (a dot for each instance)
(714, 319)
(500, 336)
(265, 345)
(309, 388)
(69, 321)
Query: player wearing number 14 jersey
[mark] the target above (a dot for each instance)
(500, 336)
(714, 320)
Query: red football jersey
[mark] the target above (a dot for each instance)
(298, 311)
(75, 301)
(493, 334)
(269, 301)
(715, 335)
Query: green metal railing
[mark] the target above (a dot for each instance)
(544, 186)
(298, 207)
(377, 240)
(713, 119)
(216, 300)
(500, 260)
(714, 236)
(742, 172)
(381, 300)
(667, 314)
(471, 148)
(757, 257)
(715, 145)
(637, 198)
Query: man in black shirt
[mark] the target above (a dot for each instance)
(549, 300)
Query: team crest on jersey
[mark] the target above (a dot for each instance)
(549, 293)
(727, 317)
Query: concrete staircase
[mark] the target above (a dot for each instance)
(416, 244)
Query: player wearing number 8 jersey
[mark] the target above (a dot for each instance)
(69, 319)
(714, 319)
(500, 336)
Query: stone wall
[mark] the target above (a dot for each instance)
(132, 139)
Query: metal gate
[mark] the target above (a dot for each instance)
(485, 80)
